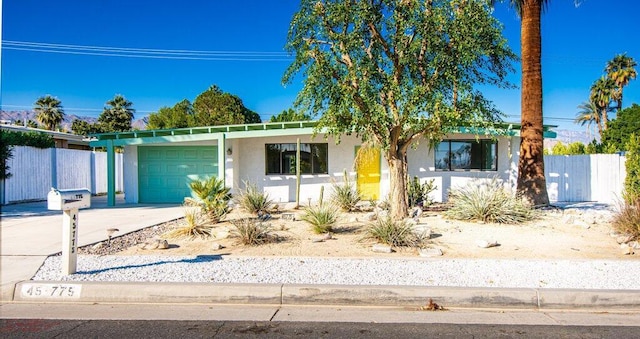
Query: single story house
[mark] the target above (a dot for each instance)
(159, 164)
(61, 139)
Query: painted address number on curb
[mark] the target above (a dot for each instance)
(62, 291)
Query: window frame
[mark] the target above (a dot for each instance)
(312, 155)
(483, 156)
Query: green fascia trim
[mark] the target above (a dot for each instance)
(205, 130)
(203, 137)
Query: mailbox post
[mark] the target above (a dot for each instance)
(69, 201)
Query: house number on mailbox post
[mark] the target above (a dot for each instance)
(69, 201)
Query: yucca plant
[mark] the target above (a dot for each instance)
(252, 232)
(253, 200)
(212, 197)
(489, 202)
(394, 233)
(194, 225)
(321, 217)
(345, 195)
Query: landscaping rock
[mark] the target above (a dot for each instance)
(215, 246)
(486, 244)
(327, 236)
(372, 216)
(627, 250)
(430, 252)
(623, 239)
(288, 216)
(380, 248)
(153, 244)
(581, 223)
(423, 230)
(568, 219)
(353, 219)
(97, 246)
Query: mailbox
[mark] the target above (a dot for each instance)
(64, 200)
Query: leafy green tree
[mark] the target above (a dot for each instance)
(602, 92)
(290, 115)
(215, 107)
(632, 165)
(396, 71)
(620, 129)
(81, 127)
(179, 116)
(49, 111)
(621, 70)
(117, 116)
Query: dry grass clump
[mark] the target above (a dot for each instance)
(627, 220)
(394, 233)
(489, 202)
(253, 232)
(194, 225)
(321, 217)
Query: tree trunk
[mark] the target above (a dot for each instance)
(531, 180)
(605, 117)
(398, 197)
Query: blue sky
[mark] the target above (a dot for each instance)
(577, 43)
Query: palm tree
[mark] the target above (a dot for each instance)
(531, 179)
(589, 113)
(117, 116)
(602, 91)
(49, 111)
(621, 70)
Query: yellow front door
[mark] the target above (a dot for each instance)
(368, 170)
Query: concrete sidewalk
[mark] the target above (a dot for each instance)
(29, 232)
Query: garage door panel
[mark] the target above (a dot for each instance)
(165, 171)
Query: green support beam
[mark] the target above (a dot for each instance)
(222, 158)
(111, 174)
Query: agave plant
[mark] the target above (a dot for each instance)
(212, 196)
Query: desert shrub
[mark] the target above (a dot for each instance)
(487, 201)
(321, 217)
(194, 225)
(211, 196)
(252, 232)
(394, 233)
(632, 165)
(253, 200)
(627, 220)
(419, 192)
(345, 195)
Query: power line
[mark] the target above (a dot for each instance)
(146, 52)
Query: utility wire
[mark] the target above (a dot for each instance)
(145, 52)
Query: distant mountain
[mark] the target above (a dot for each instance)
(568, 136)
(12, 116)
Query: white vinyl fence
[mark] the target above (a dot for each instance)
(34, 171)
(596, 177)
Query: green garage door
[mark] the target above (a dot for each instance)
(164, 172)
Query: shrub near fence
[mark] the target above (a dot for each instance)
(36, 170)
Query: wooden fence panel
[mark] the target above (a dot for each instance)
(34, 171)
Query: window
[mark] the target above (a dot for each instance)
(281, 158)
(453, 155)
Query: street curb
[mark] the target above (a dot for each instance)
(348, 295)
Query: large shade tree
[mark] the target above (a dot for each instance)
(216, 107)
(49, 111)
(621, 70)
(179, 116)
(397, 71)
(117, 115)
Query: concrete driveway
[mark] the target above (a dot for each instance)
(29, 232)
